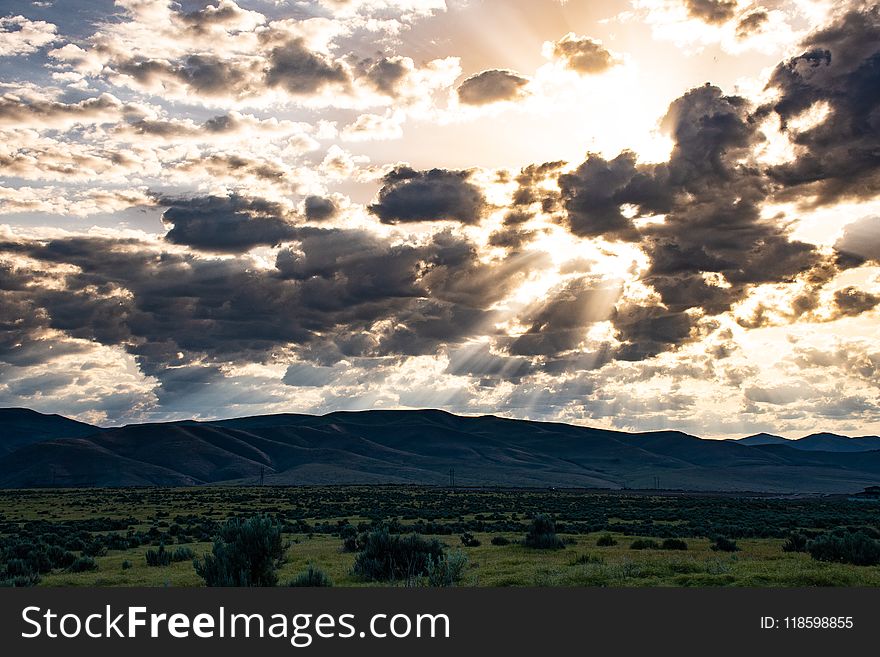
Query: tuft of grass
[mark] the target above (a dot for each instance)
(586, 559)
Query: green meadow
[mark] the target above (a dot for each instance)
(115, 529)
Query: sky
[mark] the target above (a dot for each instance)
(630, 214)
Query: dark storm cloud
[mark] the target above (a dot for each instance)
(711, 11)
(187, 380)
(752, 23)
(159, 128)
(298, 70)
(511, 238)
(711, 198)
(714, 224)
(225, 223)
(204, 74)
(335, 294)
(583, 54)
(851, 302)
(408, 196)
(710, 130)
(593, 194)
(529, 189)
(649, 330)
(231, 165)
(434, 294)
(56, 114)
(218, 125)
(712, 245)
(840, 157)
(318, 208)
(383, 74)
(492, 86)
(338, 270)
(560, 323)
(511, 235)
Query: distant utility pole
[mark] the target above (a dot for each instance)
(452, 477)
(262, 474)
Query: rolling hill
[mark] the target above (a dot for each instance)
(22, 426)
(818, 442)
(417, 447)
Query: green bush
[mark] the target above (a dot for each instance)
(246, 553)
(722, 544)
(389, 557)
(448, 570)
(606, 540)
(795, 543)
(673, 544)
(644, 544)
(350, 539)
(500, 540)
(20, 581)
(855, 548)
(311, 577)
(126, 564)
(542, 534)
(83, 565)
(182, 553)
(468, 540)
(19, 567)
(59, 558)
(158, 558)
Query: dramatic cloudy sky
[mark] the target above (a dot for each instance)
(624, 213)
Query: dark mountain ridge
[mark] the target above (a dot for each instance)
(818, 442)
(416, 447)
(22, 426)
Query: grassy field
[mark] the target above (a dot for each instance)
(312, 518)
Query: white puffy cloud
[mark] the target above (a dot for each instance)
(21, 36)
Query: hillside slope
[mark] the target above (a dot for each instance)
(22, 426)
(422, 447)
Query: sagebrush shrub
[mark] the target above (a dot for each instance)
(448, 570)
(722, 544)
(158, 558)
(246, 553)
(856, 548)
(542, 534)
(311, 577)
(387, 557)
(795, 543)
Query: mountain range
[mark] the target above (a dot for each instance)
(420, 447)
